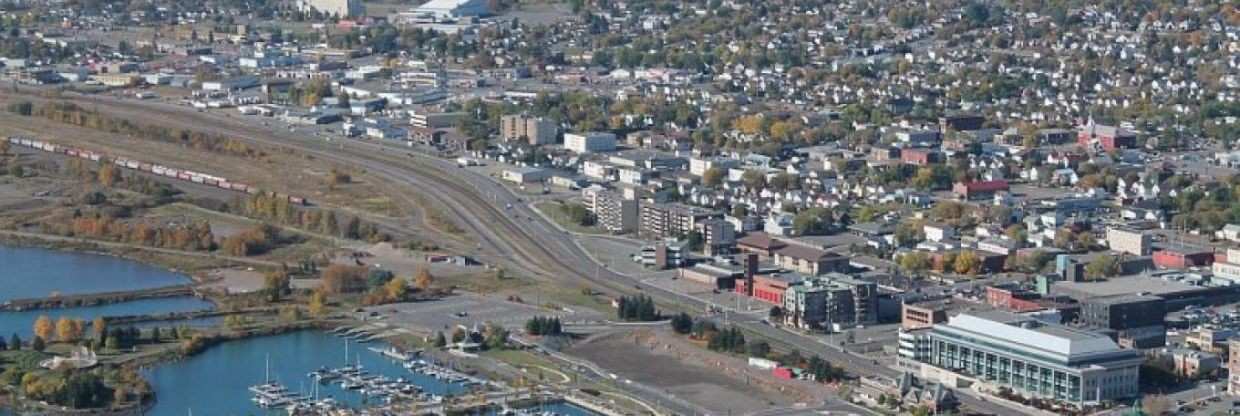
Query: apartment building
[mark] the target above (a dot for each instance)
(533, 130)
(611, 210)
(664, 220)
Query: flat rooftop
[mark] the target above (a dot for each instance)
(1031, 333)
(1126, 286)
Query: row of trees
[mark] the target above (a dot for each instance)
(637, 308)
(279, 211)
(253, 241)
(544, 326)
(194, 236)
(732, 340)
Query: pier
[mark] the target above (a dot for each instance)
(92, 299)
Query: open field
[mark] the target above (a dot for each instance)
(278, 171)
(554, 211)
(721, 383)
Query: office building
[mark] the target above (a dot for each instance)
(533, 130)
(831, 302)
(1035, 359)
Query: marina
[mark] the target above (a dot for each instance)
(365, 378)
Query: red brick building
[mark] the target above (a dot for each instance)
(979, 189)
(1107, 137)
(1012, 299)
(766, 288)
(919, 156)
(1182, 257)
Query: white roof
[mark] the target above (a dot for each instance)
(1033, 334)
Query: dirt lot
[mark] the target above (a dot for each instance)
(722, 383)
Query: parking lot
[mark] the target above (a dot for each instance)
(470, 309)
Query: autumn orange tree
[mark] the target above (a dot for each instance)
(423, 280)
(44, 328)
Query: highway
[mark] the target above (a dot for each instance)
(515, 237)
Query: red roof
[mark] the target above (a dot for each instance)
(987, 186)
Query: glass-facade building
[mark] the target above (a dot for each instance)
(1034, 358)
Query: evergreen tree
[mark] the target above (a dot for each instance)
(15, 342)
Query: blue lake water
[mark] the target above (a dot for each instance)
(36, 272)
(22, 322)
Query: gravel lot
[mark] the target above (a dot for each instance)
(442, 315)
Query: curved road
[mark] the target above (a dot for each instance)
(516, 237)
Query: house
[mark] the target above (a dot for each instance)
(1229, 232)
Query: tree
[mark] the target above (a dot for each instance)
(38, 344)
(68, 330)
(754, 179)
(317, 304)
(440, 340)
(915, 262)
(760, 349)
(339, 278)
(396, 289)
(1102, 267)
(812, 221)
(458, 335)
(276, 284)
(712, 177)
(423, 280)
(4, 346)
(967, 262)
(682, 323)
(15, 342)
(44, 328)
(1016, 232)
(100, 327)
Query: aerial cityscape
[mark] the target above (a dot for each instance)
(619, 207)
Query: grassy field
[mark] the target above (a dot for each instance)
(554, 211)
